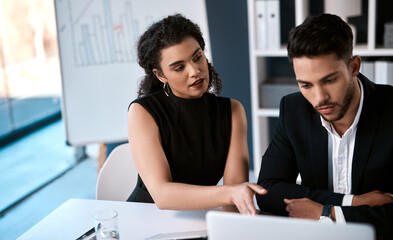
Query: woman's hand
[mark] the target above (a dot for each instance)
(242, 196)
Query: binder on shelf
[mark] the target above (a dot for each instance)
(268, 24)
(367, 68)
(273, 23)
(384, 72)
(388, 35)
(261, 23)
(273, 89)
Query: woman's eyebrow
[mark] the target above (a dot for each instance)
(181, 61)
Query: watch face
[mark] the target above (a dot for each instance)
(326, 210)
(324, 219)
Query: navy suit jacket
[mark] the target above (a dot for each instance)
(300, 145)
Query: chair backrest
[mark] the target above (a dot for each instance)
(118, 176)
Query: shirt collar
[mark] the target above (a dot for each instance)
(329, 127)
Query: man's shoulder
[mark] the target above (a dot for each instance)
(375, 90)
(385, 91)
(381, 96)
(384, 99)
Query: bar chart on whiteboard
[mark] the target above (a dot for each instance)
(100, 74)
(101, 37)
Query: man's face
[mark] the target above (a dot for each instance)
(327, 83)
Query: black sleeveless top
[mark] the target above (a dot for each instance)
(195, 135)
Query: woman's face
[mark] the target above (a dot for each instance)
(184, 69)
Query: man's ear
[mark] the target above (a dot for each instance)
(354, 65)
(159, 75)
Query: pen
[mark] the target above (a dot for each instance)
(87, 234)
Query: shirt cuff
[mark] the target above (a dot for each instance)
(347, 200)
(340, 219)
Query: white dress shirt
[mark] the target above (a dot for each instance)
(341, 156)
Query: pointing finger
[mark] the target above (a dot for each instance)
(257, 188)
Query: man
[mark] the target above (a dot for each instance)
(337, 133)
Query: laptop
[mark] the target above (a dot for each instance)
(234, 226)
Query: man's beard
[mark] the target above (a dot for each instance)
(349, 95)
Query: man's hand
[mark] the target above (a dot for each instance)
(372, 199)
(303, 208)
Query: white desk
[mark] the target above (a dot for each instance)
(136, 220)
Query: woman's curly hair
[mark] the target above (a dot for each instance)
(162, 34)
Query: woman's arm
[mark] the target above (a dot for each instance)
(152, 165)
(237, 165)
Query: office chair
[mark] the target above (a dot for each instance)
(118, 176)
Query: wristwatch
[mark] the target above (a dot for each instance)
(326, 216)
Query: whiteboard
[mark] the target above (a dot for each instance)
(100, 75)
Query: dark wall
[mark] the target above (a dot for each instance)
(228, 29)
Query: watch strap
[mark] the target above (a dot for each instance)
(326, 211)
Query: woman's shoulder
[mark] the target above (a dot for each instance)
(147, 99)
(157, 104)
(230, 102)
(237, 106)
(230, 105)
(145, 108)
(219, 99)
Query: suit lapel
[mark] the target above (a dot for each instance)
(366, 131)
(319, 139)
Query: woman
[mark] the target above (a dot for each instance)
(183, 138)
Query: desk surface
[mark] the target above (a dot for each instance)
(136, 220)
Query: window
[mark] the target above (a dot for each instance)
(30, 83)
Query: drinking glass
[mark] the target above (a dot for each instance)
(106, 225)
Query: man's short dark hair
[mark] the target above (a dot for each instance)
(321, 35)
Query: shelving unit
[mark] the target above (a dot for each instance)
(260, 116)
